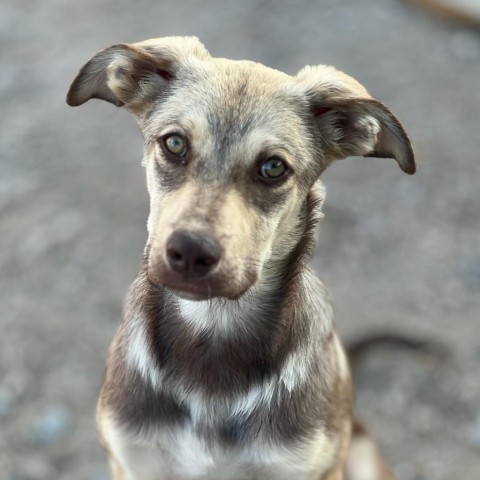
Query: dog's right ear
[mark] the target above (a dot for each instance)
(349, 122)
(133, 75)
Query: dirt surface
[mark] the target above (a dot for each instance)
(397, 252)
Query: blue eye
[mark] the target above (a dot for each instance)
(273, 168)
(176, 145)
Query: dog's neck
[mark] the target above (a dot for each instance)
(223, 318)
(218, 345)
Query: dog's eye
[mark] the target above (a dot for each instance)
(273, 168)
(176, 144)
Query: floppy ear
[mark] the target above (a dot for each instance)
(133, 74)
(349, 122)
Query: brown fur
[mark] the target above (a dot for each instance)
(253, 364)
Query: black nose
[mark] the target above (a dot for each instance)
(192, 254)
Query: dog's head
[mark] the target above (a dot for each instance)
(232, 151)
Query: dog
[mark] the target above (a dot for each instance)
(226, 364)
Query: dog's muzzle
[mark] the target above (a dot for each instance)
(187, 265)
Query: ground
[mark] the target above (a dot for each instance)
(398, 253)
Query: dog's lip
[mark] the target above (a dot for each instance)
(201, 292)
(190, 290)
(179, 286)
(191, 293)
(193, 297)
(199, 289)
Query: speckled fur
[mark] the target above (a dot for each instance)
(248, 379)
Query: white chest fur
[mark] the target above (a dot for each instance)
(181, 455)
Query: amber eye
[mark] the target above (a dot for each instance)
(176, 145)
(273, 168)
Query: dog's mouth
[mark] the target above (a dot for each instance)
(191, 291)
(193, 265)
(206, 288)
(204, 291)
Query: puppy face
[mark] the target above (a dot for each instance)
(241, 170)
(232, 150)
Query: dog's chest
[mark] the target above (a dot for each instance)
(180, 453)
(221, 440)
(244, 436)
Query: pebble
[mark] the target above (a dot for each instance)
(11, 390)
(474, 436)
(51, 425)
(471, 272)
(465, 45)
(7, 401)
(101, 473)
(34, 467)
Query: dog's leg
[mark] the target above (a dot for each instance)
(337, 474)
(116, 472)
(364, 459)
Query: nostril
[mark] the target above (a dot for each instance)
(205, 261)
(173, 255)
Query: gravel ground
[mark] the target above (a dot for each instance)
(397, 252)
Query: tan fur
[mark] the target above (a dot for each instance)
(225, 214)
(364, 460)
(115, 468)
(236, 373)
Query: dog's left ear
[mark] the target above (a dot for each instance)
(349, 122)
(134, 75)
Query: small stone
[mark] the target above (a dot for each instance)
(12, 387)
(34, 467)
(471, 272)
(7, 400)
(465, 45)
(475, 433)
(100, 473)
(52, 425)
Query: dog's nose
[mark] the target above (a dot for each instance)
(192, 254)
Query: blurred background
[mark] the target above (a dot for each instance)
(398, 253)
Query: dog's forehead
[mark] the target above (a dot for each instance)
(231, 101)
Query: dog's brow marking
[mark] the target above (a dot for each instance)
(200, 138)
